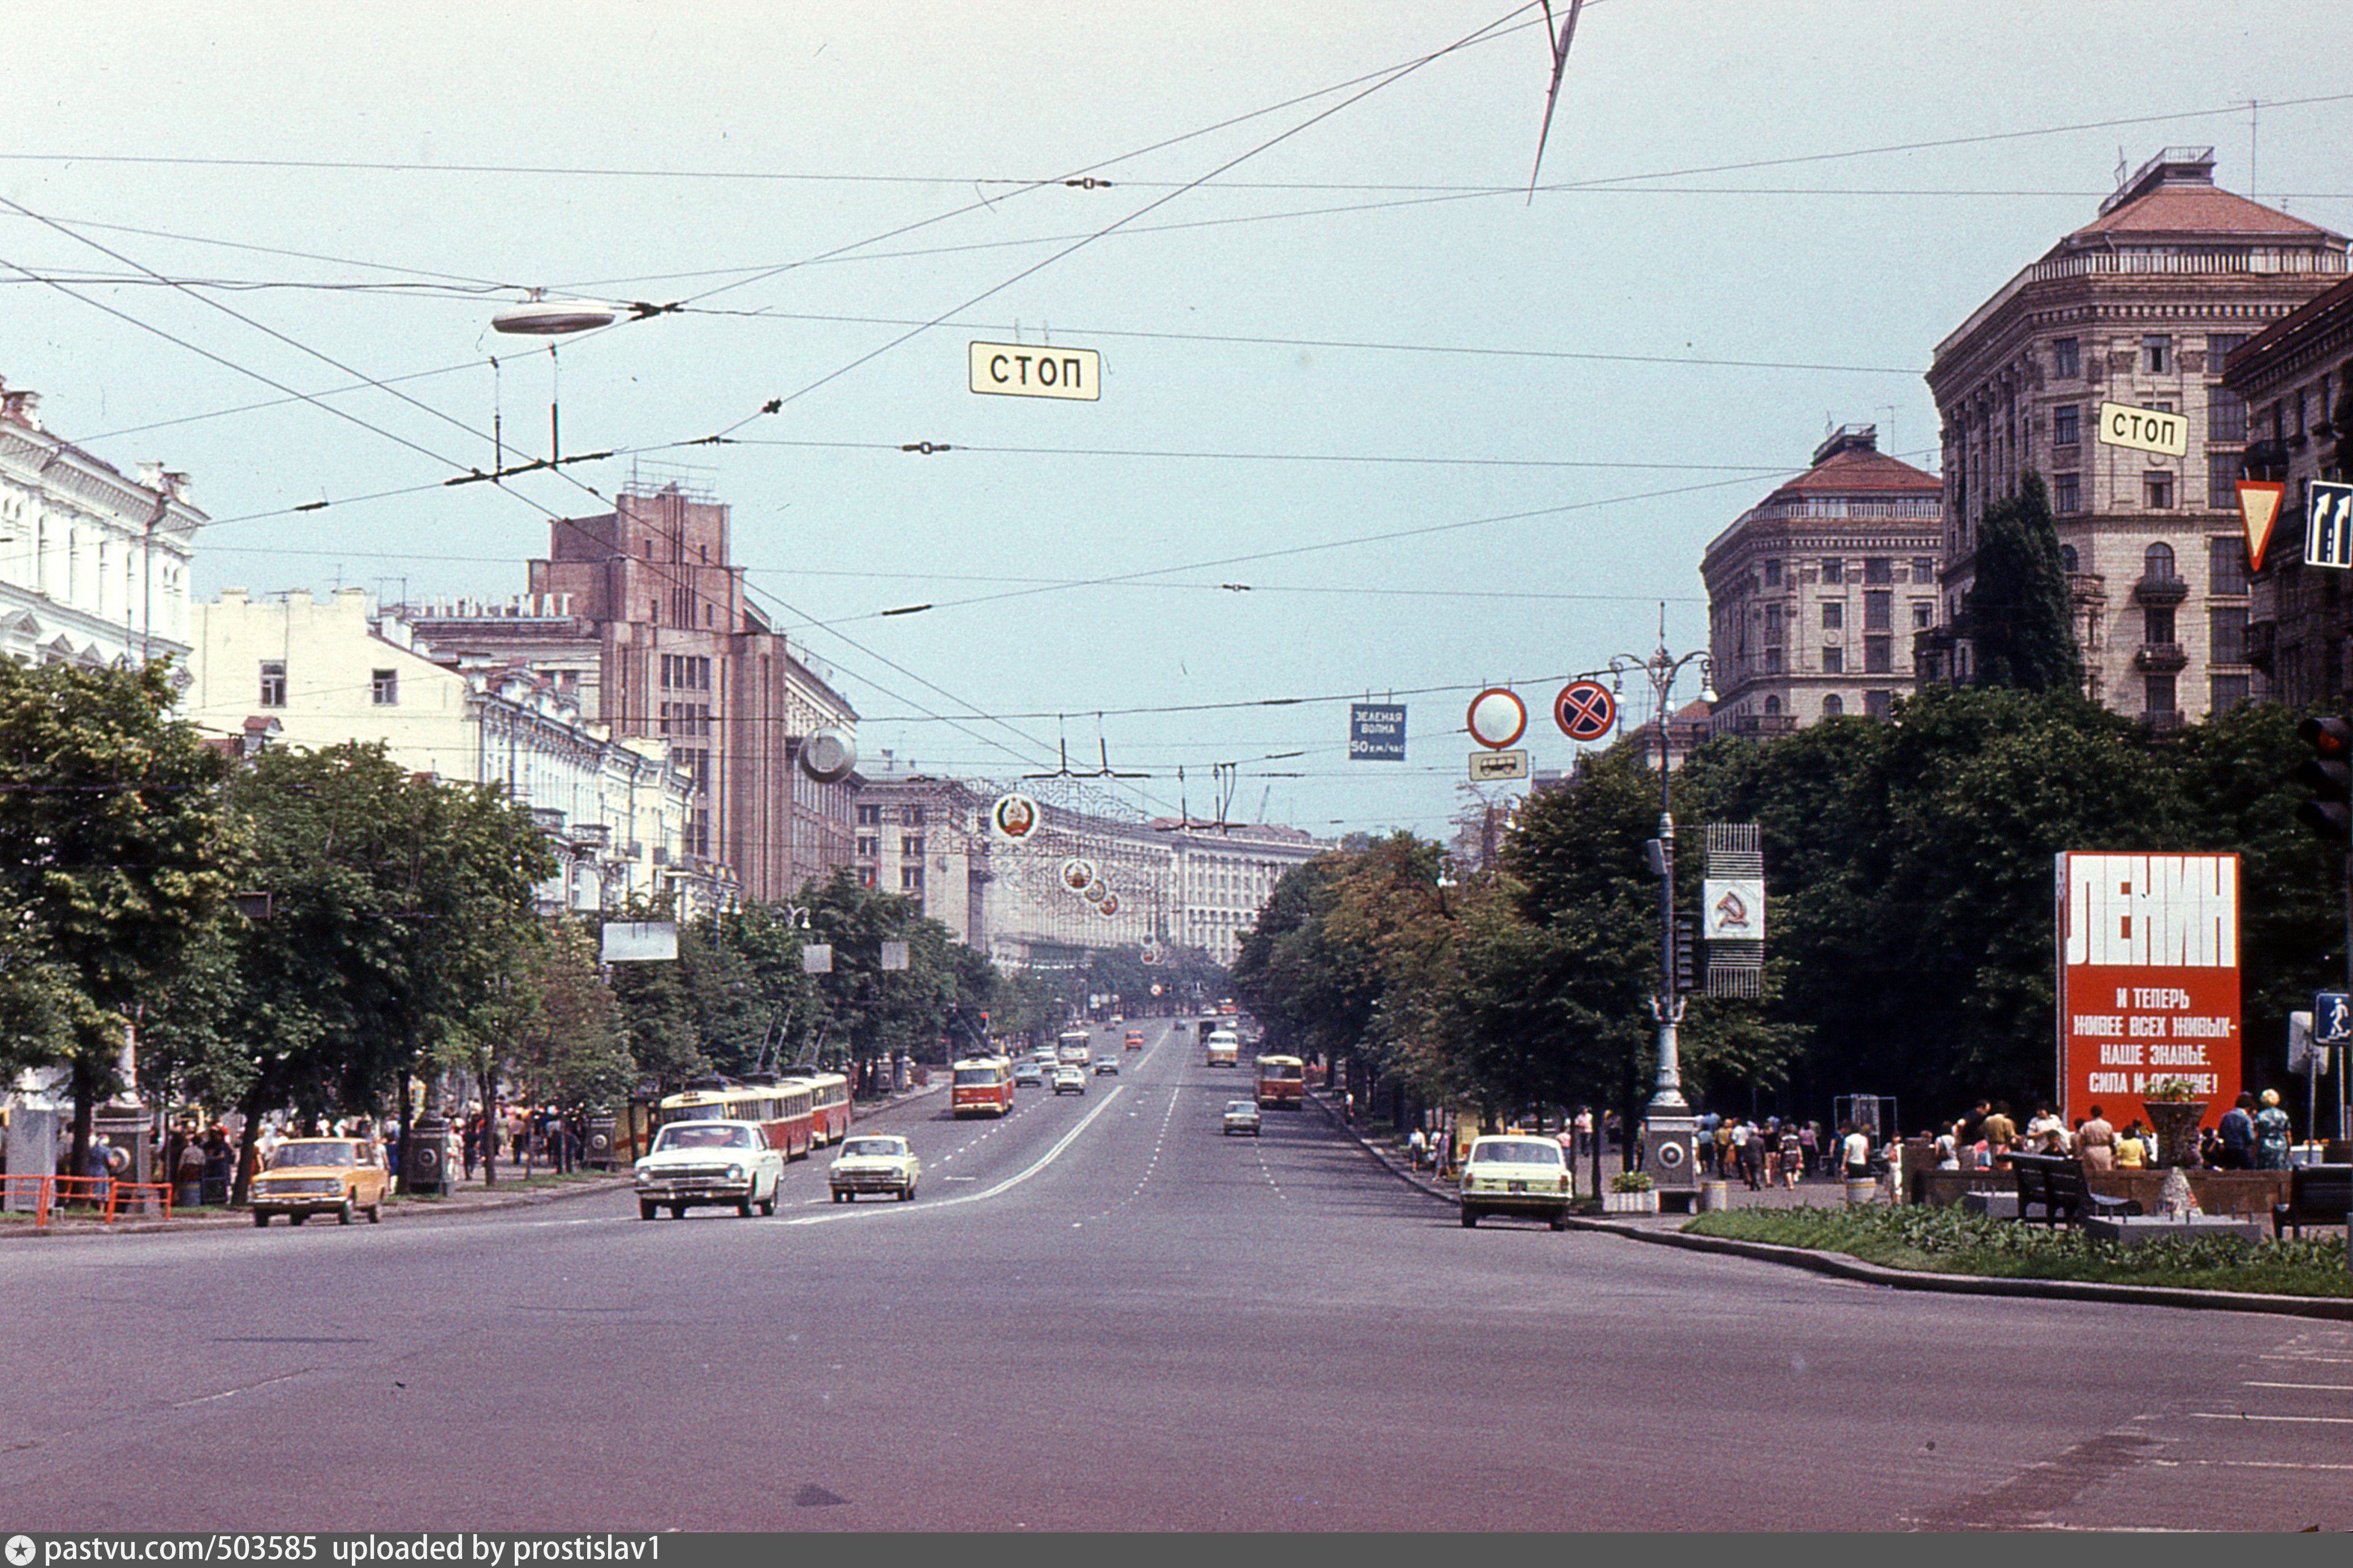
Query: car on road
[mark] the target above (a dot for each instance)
(1516, 1174)
(1241, 1116)
(1028, 1074)
(340, 1177)
(874, 1162)
(1135, 1039)
(702, 1164)
(1070, 1080)
(1106, 1066)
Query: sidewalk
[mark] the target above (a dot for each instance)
(1666, 1230)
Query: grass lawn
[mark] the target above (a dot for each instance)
(1954, 1241)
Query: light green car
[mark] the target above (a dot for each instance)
(1517, 1174)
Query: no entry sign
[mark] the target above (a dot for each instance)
(1585, 711)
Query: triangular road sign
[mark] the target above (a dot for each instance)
(2258, 508)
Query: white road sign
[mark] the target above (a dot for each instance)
(1033, 370)
(2144, 429)
(1486, 765)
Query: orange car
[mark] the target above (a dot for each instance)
(340, 1176)
(1135, 1039)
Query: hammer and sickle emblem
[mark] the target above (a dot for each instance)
(1732, 913)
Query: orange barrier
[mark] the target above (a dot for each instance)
(12, 1187)
(107, 1191)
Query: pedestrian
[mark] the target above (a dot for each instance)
(1748, 1151)
(1716, 1149)
(2237, 1135)
(1793, 1155)
(1809, 1139)
(1417, 1147)
(2096, 1144)
(2000, 1134)
(1855, 1150)
(473, 1142)
(2132, 1147)
(2273, 1134)
(220, 1165)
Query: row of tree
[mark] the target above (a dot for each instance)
(1909, 868)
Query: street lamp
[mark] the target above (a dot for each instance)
(1668, 1120)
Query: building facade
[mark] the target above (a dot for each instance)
(305, 673)
(2296, 382)
(93, 566)
(2140, 306)
(641, 616)
(1814, 594)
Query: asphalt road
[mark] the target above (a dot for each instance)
(1099, 1313)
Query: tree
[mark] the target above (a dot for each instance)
(2021, 621)
(110, 839)
(571, 1050)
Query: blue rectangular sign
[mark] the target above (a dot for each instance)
(1375, 732)
(2332, 1017)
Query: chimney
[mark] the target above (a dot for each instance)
(21, 408)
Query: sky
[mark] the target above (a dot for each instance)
(1375, 421)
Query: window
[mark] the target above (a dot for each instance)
(1772, 706)
(2068, 560)
(2226, 564)
(1773, 573)
(1924, 568)
(2066, 493)
(1875, 610)
(1833, 615)
(2067, 425)
(868, 846)
(1924, 614)
(273, 683)
(1876, 653)
(2157, 694)
(2157, 353)
(2156, 490)
(1878, 569)
(2223, 470)
(1833, 569)
(914, 816)
(2228, 691)
(2219, 347)
(911, 843)
(2226, 414)
(2158, 563)
(911, 879)
(384, 686)
(1879, 704)
(2226, 634)
(869, 817)
(1832, 706)
(1773, 660)
(2156, 624)
(1833, 660)
(866, 876)
(2067, 360)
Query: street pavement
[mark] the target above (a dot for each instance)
(1100, 1312)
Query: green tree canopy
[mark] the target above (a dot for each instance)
(2021, 618)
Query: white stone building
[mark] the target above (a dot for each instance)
(313, 673)
(93, 566)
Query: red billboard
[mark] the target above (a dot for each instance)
(2148, 981)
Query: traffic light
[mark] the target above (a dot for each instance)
(2328, 774)
(1686, 954)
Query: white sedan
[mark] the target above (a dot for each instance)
(874, 1162)
(696, 1163)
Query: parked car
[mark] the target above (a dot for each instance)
(340, 1177)
(874, 1162)
(1070, 1080)
(1516, 1174)
(708, 1163)
(1241, 1116)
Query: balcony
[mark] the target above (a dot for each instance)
(592, 835)
(2160, 658)
(2162, 720)
(2167, 590)
(2087, 587)
(1759, 726)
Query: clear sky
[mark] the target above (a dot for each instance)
(1446, 436)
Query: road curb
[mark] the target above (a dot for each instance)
(1840, 1266)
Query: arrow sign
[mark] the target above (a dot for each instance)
(2258, 508)
(1585, 711)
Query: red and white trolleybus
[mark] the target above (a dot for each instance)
(1281, 1083)
(829, 1105)
(782, 1109)
(981, 1086)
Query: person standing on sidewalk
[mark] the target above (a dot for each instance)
(1417, 1148)
(2096, 1144)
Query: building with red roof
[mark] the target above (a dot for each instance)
(1815, 593)
(2138, 308)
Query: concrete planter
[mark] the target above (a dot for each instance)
(1630, 1203)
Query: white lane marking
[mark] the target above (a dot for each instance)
(1047, 1158)
(2339, 1360)
(2297, 1420)
(246, 1388)
(2249, 1465)
(2317, 1387)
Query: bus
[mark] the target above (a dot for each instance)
(981, 1086)
(1281, 1082)
(829, 1105)
(1224, 1048)
(782, 1111)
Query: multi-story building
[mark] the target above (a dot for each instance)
(2140, 306)
(2296, 381)
(1815, 593)
(641, 615)
(304, 673)
(93, 566)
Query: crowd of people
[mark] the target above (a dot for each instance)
(2254, 1134)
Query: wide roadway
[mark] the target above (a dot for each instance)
(1101, 1312)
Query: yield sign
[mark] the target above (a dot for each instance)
(1585, 711)
(2258, 508)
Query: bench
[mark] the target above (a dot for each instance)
(2317, 1194)
(2055, 1185)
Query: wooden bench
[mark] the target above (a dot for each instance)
(2317, 1194)
(2055, 1185)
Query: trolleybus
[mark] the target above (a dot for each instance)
(829, 1105)
(781, 1109)
(981, 1086)
(1281, 1082)
(1224, 1048)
